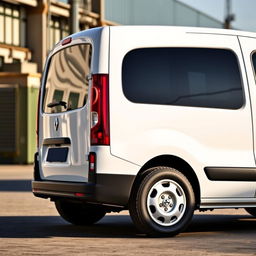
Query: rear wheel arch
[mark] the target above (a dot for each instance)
(173, 162)
(163, 203)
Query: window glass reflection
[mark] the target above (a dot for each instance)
(67, 84)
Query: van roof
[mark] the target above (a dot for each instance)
(200, 30)
(157, 28)
(96, 32)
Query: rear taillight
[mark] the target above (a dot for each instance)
(92, 167)
(100, 110)
(92, 162)
(37, 118)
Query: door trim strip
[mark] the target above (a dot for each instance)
(230, 173)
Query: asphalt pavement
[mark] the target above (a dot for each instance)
(31, 226)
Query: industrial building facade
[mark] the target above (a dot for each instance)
(30, 28)
(161, 12)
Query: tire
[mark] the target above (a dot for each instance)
(251, 211)
(78, 213)
(163, 203)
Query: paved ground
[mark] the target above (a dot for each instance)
(31, 226)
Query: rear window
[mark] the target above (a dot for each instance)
(197, 77)
(66, 86)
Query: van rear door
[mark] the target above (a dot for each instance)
(64, 120)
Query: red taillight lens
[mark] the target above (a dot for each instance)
(79, 194)
(92, 162)
(92, 167)
(100, 110)
(66, 41)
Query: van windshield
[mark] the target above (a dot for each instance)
(66, 86)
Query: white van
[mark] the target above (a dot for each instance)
(157, 120)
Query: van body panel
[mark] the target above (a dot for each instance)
(248, 48)
(201, 136)
(99, 38)
(73, 124)
(110, 164)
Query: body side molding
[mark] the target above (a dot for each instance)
(230, 173)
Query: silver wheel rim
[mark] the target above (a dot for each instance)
(166, 202)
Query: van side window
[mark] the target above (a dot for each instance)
(66, 86)
(254, 61)
(197, 77)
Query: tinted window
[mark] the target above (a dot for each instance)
(66, 83)
(183, 76)
(254, 61)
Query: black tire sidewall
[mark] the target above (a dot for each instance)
(151, 179)
(79, 214)
(251, 211)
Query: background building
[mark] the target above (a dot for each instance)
(161, 12)
(30, 28)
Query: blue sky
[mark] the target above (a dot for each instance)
(244, 10)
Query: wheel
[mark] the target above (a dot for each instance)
(163, 203)
(78, 213)
(251, 211)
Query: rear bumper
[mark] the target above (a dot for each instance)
(47, 189)
(110, 189)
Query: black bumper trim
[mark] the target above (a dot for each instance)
(230, 173)
(46, 189)
(68, 187)
(112, 189)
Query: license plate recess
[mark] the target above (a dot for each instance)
(57, 155)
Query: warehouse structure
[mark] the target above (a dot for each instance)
(161, 12)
